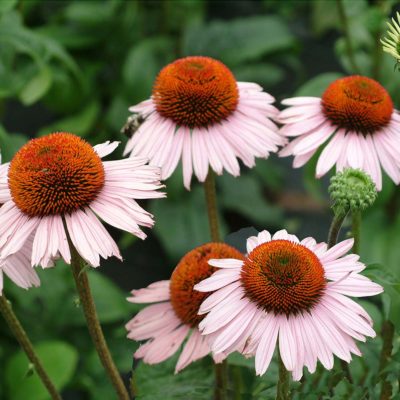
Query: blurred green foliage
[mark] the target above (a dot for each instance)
(78, 65)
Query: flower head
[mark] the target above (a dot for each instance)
(174, 316)
(58, 182)
(357, 114)
(391, 44)
(291, 294)
(198, 112)
(352, 190)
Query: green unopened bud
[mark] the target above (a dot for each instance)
(351, 190)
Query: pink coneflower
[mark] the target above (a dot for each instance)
(198, 112)
(357, 113)
(174, 316)
(59, 182)
(290, 292)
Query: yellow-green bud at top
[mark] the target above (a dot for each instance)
(352, 190)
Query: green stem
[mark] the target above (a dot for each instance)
(349, 45)
(211, 200)
(82, 284)
(237, 382)
(221, 380)
(355, 230)
(23, 339)
(387, 347)
(283, 387)
(334, 229)
(221, 370)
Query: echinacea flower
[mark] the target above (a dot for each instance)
(391, 44)
(357, 114)
(173, 316)
(58, 182)
(200, 114)
(289, 294)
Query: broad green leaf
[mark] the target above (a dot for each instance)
(59, 360)
(262, 73)
(158, 382)
(244, 195)
(7, 5)
(317, 85)
(36, 87)
(239, 40)
(110, 300)
(183, 224)
(79, 124)
(143, 63)
(10, 144)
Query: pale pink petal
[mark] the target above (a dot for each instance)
(225, 262)
(165, 346)
(338, 250)
(218, 279)
(195, 348)
(106, 148)
(287, 344)
(267, 344)
(187, 164)
(157, 291)
(330, 154)
(295, 101)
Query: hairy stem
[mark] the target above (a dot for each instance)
(211, 200)
(283, 387)
(221, 370)
(345, 27)
(23, 339)
(89, 309)
(334, 229)
(387, 347)
(355, 230)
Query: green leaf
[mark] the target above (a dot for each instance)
(59, 360)
(158, 382)
(262, 73)
(385, 276)
(10, 144)
(239, 40)
(317, 85)
(36, 87)
(244, 195)
(79, 124)
(7, 5)
(181, 224)
(111, 302)
(142, 65)
(182, 221)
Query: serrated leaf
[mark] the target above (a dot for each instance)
(59, 360)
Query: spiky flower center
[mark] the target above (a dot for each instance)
(55, 174)
(192, 269)
(195, 91)
(357, 103)
(283, 277)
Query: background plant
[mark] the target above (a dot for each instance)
(78, 65)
